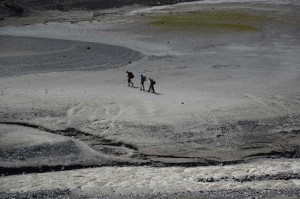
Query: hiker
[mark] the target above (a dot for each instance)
(130, 76)
(143, 79)
(151, 86)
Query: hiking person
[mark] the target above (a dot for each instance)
(130, 76)
(143, 79)
(151, 86)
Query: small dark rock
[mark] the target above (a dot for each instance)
(88, 48)
(209, 180)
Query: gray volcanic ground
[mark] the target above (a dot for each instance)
(28, 55)
(227, 95)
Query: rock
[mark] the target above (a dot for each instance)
(210, 180)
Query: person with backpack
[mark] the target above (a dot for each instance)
(130, 76)
(143, 79)
(151, 86)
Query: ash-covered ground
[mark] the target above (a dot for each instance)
(224, 119)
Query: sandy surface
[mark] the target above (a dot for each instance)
(225, 93)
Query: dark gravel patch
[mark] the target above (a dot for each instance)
(30, 55)
(215, 194)
(231, 194)
(46, 194)
(224, 194)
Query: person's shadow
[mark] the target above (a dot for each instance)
(134, 87)
(155, 93)
(152, 92)
(146, 90)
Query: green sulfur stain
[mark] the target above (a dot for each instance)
(228, 21)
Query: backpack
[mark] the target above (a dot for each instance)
(145, 78)
(154, 82)
(130, 75)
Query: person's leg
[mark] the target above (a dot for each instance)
(153, 89)
(128, 82)
(131, 82)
